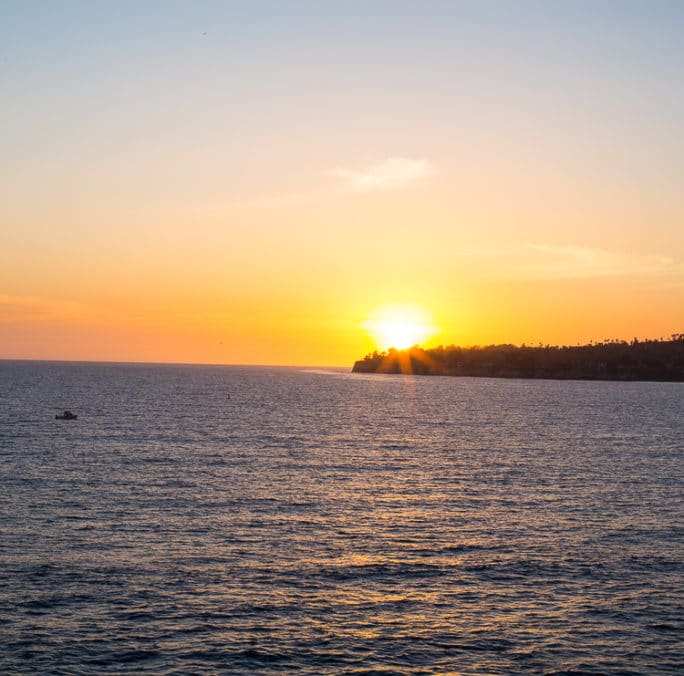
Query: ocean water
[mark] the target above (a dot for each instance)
(271, 520)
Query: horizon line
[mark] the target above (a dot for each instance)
(167, 363)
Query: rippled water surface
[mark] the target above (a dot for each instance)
(252, 520)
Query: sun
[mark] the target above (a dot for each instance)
(399, 326)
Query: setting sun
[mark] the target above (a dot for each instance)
(399, 326)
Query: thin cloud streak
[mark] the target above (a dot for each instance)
(394, 173)
(38, 309)
(549, 262)
(578, 262)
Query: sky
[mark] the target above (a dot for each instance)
(255, 182)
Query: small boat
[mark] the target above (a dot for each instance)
(67, 415)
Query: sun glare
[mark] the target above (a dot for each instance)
(399, 326)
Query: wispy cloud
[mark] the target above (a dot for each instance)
(390, 174)
(546, 261)
(394, 173)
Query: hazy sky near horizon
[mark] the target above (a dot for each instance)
(246, 182)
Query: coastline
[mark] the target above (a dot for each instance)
(649, 361)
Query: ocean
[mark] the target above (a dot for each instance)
(251, 520)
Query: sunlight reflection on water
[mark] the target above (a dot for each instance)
(250, 520)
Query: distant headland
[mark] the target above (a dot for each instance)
(658, 360)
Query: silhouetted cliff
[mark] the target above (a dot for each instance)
(661, 360)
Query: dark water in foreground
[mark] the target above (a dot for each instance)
(249, 520)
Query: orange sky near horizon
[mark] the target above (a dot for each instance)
(208, 185)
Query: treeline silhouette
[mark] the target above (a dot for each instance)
(661, 360)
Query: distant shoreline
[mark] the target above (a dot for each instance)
(649, 360)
